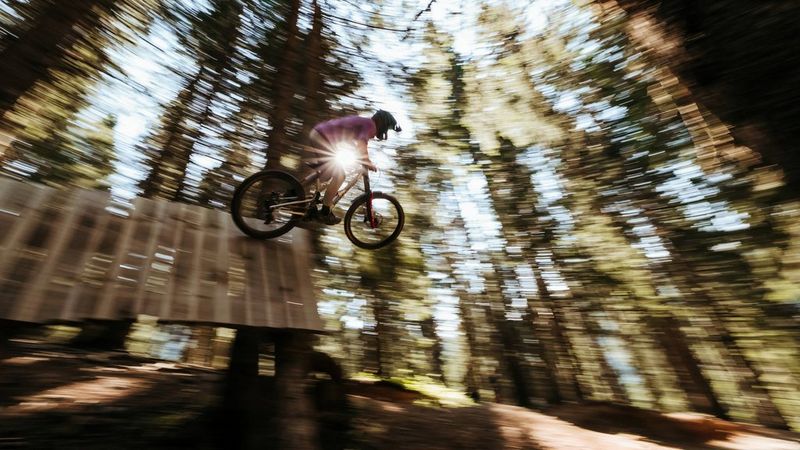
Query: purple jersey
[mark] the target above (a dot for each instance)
(349, 128)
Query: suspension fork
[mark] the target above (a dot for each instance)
(368, 190)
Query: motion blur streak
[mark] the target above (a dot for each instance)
(602, 196)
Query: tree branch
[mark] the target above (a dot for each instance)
(409, 29)
(367, 25)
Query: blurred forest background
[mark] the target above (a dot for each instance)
(602, 196)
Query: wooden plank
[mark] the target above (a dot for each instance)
(179, 309)
(106, 307)
(177, 224)
(23, 258)
(19, 208)
(160, 260)
(64, 277)
(222, 299)
(84, 258)
(73, 273)
(153, 213)
(237, 277)
(186, 260)
(258, 283)
(6, 186)
(191, 296)
(305, 290)
(289, 276)
(98, 266)
(130, 273)
(27, 216)
(206, 295)
(239, 289)
(276, 308)
(99, 262)
(294, 302)
(30, 302)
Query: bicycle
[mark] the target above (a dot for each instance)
(269, 203)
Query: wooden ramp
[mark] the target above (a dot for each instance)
(75, 255)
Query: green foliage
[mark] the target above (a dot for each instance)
(581, 224)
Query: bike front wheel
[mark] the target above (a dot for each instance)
(268, 204)
(379, 230)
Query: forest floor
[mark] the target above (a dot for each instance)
(57, 397)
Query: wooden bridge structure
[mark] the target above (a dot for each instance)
(78, 256)
(68, 256)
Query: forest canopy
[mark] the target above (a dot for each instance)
(599, 206)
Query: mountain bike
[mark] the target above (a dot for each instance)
(272, 202)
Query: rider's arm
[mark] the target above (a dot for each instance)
(364, 154)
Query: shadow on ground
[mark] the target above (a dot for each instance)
(58, 397)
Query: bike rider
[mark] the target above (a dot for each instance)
(354, 130)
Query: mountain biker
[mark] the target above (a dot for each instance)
(354, 130)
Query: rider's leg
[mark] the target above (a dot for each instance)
(326, 215)
(328, 170)
(312, 154)
(333, 187)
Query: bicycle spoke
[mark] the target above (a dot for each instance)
(270, 204)
(381, 226)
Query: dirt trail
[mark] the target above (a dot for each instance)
(385, 425)
(56, 397)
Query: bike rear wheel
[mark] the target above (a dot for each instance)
(268, 204)
(382, 228)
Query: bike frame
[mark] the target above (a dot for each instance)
(313, 177)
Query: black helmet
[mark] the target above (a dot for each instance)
(384, 122)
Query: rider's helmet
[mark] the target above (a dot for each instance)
(384, 122)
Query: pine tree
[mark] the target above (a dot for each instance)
(214, 36)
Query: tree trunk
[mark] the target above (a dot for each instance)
(548, 379)
(510, 342)
(475, 380)
(27, 56)
(746, 372)
(561, 382)
(314, 54)
(560, 359)
(240, 395)
(103, 334)
(221, 61)
(185, 154)
(639, 343)
(294, 411)
(167, 155)
(381, 332)
(472, 376)
(611, 377)
(237, 157)
(705, 44)
(681, 358)
(429, 331)
(766, 411)
(285, 90)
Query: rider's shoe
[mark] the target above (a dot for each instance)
(312, 214)
(327, 216)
